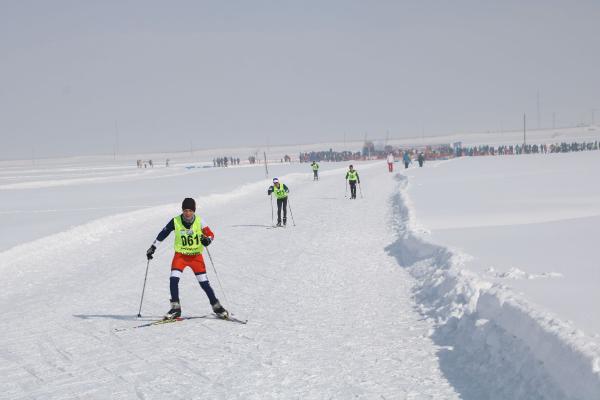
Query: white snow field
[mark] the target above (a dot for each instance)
(505, 249)
(529, 222)
(330, 312)
(422, 288)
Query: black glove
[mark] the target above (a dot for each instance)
(150, 252)
(205, 240)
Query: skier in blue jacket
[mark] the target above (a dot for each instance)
(406, 159)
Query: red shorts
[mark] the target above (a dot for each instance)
(195, 262)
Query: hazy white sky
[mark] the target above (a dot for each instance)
(222, 73)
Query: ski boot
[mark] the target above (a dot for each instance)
(175, 311)
(284, 221)
(220, 311)
(278, 223)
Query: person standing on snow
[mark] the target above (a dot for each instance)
(191, 236)
(281, 193)
(352, 178)
(390, 162)
(315, 169)
(421, 159)
(406, 159)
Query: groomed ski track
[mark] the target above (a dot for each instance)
(339, 306)
(330, 311)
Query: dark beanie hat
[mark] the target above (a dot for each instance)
(188, 204)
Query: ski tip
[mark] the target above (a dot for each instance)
(239, 321)
(231, 318)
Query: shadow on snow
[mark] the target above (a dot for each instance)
(129, 317)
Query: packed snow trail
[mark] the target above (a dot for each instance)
(330, 311)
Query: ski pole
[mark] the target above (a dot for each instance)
(291, 213)
(271, 196)
(360, 190)
(217, 275)
(143, 290)
(346, 191)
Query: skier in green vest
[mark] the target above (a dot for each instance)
(352, 178)
(281, 193)
(191, 236)
(315, 169)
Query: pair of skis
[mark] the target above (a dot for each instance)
(180, 319)
(276, 226)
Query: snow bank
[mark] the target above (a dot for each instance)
(102, 228)
(500, 341)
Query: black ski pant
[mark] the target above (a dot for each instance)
(352, 189)
(282, 203)
(204, 284)
(315, 175)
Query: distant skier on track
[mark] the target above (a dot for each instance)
(281, 193)
(421, 159)
(406, 159)
(352, 178)
(315, 169)
(191, 236)
(390, 162)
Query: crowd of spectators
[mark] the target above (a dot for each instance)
(525, 149)
(225, 161)
(432, 152)
(447, 151)
(330, 155)
(144, 163)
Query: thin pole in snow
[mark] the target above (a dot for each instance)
(291, 213)
(143, 290)
(217, 275)
(272, 222)
(266, 165)
(524, 129)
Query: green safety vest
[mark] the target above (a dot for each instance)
(279, 193)
(187, 241)
(352, 175)
(315, 166)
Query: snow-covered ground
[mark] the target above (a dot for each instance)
(472, 278)
(55, 197)
(505, 250)
(528, 222)
(330, 312)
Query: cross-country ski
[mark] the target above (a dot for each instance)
(180, 319)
